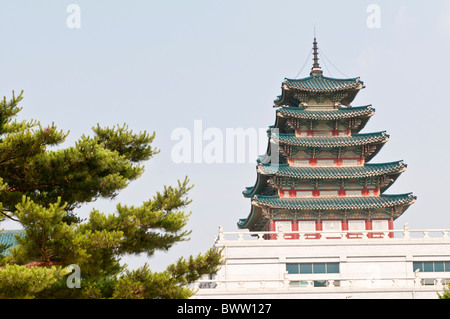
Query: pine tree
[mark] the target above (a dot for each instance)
(445, 293)
(41, 188)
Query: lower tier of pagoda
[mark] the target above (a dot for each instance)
(267, 209)
(330, 229)
(334, 203)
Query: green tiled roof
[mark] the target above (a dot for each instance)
(337, 114)
(248, 190)
(8, 239)
(321, 83)
(335, 203)
(341, 172)
(331, 141)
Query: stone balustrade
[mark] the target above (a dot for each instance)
(403, 234)
(292, 283)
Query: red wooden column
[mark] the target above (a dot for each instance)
(369, 227)
(391, 227)
(345, 226)
(295, 228)
(318, 227)
(272, 227)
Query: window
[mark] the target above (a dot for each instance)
(304, 193)
(306, 268)
(356, 225)
(313, 268)
(332, 225)
(314, 283)
(431, 266)
(381, 225)
(439, 266)
(320, 269)
(292, 268)
(329, 225)
(307, 225)
(329, 193)
(320, 283)
(285, 226)
(333, 268)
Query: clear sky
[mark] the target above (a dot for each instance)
(161, 65)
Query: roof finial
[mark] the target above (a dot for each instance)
(316, 70)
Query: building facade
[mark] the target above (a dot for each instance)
(400, 264)
(321, 222)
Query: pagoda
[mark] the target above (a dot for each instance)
(317, 173)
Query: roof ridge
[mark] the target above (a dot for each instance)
(11, 231)
(340, 108)
(337, 197)
(399, 162)
(324, 137)
(324, 77)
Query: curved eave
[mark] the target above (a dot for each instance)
(331, 142)
(335, 172)
(335, 203)
(335, 114)
(249, 192)
(324, 204)
(266, 158)
(319, 84)
(281, 120)
(247, 223)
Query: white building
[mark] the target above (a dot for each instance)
(410, 264)
(321, 225)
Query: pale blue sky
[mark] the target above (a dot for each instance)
(161, 65)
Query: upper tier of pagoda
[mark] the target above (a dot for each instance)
(298, 92)
(318, 88)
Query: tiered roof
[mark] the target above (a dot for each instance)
(328, 204)
(344, 172)
(318, 83)
(335, 114)
(358, 116)
(393, 170)
(303, 99)
(334, 203)
(8, 238)
(331, 141)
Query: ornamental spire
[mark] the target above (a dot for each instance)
(315, 70)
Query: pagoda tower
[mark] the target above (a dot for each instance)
(322, 177)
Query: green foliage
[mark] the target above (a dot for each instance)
(445, 293)
(41, 189)
(171, 284)
(22, 282)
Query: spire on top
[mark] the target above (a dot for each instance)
(315, 70)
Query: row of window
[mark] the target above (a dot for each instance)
(333, 268)
(326, 162)
(303, 133)
(313, 268)
(334, 225)
(327, 193)
(315, 283)
(337, 283)
(432, 266)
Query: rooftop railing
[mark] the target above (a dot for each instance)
(292, 283)
(403, 234)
